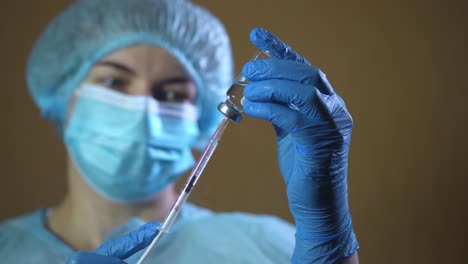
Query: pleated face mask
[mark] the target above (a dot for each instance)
(126, 147)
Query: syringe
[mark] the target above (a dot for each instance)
(232, 110)
(188, 187)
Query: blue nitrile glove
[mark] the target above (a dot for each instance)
(313, 130)
(115, 251)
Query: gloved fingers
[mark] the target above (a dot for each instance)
(83, 257)
(279, 115)
(343, 103)
(299, 97)
(287, 70)
(125, 246)
(265, 40)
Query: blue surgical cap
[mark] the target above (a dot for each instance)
(88, 30)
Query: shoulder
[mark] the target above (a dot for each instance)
(14, 232)
(253, 224)
(265, 230)
(266, 223)
(193, 212)
(259, 226)
(25, 233)
(197, 214)
(247, 223)
(260, 237)
(23, 223)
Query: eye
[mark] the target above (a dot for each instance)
(115, 83)
(167, 95)
(176, 92)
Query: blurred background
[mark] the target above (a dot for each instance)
(399, 65)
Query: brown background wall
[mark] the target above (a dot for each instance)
(400, 66)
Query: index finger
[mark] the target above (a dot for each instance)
(266, 41)
(125, 246)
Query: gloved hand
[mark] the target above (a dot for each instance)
(313, 130)
(115, 251)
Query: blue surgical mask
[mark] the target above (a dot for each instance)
(128, 148)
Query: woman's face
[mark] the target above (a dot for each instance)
(144, 70)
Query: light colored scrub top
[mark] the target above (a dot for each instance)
(198, 236)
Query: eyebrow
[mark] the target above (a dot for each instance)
(116, 65)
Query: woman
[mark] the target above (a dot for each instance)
(132, 87)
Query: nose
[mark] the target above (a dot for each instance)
(140, 87)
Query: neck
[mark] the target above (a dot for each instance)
(84, 218)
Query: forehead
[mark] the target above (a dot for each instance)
(144, 59)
